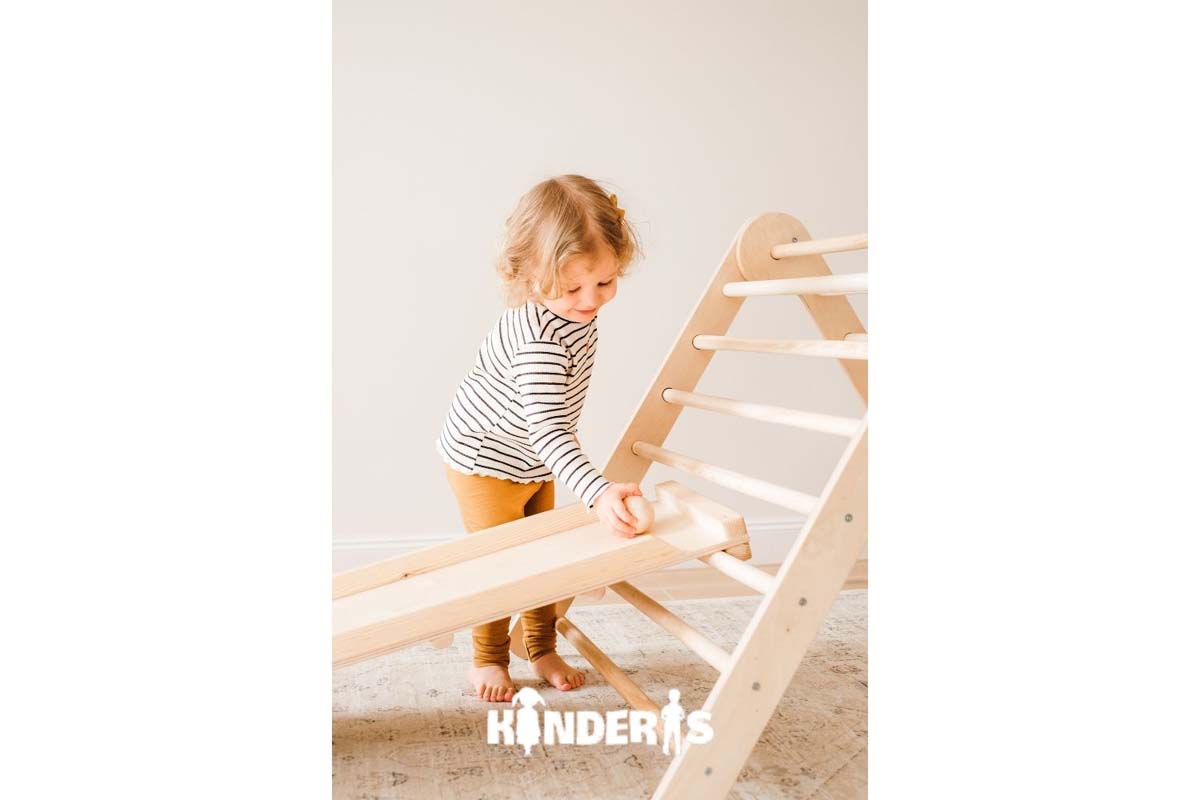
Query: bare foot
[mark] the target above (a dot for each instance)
(492, 683)
(558, 673)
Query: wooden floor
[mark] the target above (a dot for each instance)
(704, 582)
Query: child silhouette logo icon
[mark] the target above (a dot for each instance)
(529, 728)
(672, 716)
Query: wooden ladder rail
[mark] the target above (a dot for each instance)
(805, 420)
(745, 574)
(820, 348)
(754, 487)
(827, 285)
(612, 674)
(699, 644)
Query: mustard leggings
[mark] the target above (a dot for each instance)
(485, 501)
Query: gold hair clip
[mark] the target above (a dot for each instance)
(612, 198)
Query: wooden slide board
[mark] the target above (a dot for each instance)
(500, 574)
(426, 559)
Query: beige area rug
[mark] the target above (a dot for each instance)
(407, 724)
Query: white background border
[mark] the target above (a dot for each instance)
(165, 325)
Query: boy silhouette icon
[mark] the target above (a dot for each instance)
(672, 717)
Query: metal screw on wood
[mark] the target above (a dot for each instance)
(849, 518)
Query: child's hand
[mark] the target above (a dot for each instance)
(610, 508)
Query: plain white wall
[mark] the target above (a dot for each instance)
(699, 116)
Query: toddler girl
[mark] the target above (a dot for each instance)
(511, 428)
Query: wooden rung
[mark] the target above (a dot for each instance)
(825, 285)
(822, 423)
(779, 495)
(823, 348)
(740, 571)
(700, 645)
(855, 337)
(615, 676)
(817, 247)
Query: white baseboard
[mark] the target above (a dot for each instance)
(770, 540)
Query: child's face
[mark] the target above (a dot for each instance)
(588, 282)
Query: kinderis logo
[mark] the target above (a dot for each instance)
(592, 727)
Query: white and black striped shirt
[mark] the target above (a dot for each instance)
(515, 414)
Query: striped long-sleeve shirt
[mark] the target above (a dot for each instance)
(515, 414)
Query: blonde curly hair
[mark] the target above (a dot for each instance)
(560, 218)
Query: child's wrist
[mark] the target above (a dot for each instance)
(598, 496)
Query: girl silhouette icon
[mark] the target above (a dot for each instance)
(529, 729)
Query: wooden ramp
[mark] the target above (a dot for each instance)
(509, 568)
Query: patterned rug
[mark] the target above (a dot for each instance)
(408, 725)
